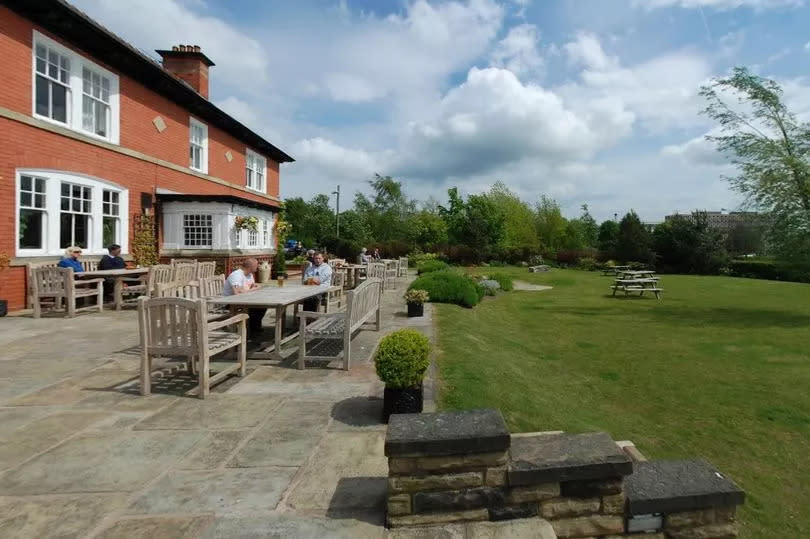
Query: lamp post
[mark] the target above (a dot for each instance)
(337, 212)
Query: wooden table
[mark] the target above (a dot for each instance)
(119, 275)
(638, 284)
(352, 273)
(273, 297)
(613, 270)
(636, 274)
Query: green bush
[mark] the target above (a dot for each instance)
(588, 264)
(402, 358)
(417, 258)
(504, 280)
(448, 286)
(431, 265)
(769, 269)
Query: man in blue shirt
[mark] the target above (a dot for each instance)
(71, 259)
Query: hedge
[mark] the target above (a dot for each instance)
(402, 358)
(431, 265)
(769, 269)
(449, 287)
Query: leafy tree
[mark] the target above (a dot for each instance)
(574, 235)
(519, 231)
(387, 210)
(354, 228)
(771, 150)
(589, 228)
(608, 238)
(311, 221)
(477, 222)
(454, 214)
(426, 228)
(687, 244)
(633, 242)
(745, 238)
(551, 225)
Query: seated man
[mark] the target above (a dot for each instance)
(71, 259)
(241, 281)
(319, 273)
(109, 262)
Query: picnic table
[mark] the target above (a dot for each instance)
(636, 274)
(119, 275)
(613, 270)
(278, 298)
(637, 281)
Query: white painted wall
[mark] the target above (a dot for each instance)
(225, 236)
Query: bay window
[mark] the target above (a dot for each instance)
(74, 92)
(58, 209)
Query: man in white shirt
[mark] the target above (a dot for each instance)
(240, 281)
(320, 274)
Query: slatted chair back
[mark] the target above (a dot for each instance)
(206, 269)
(170, 326)
(362, 303)
(184, 273)
(177, 290)
(158, 274)
(403, 266)
(376, 270)
(90, 265)
(337, 262)
(51, 281)
(175, 261)
(339, 278)
(211, 287)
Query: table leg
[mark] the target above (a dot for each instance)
(118, 293)
(280, 312)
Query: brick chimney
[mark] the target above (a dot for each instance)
(190, 64)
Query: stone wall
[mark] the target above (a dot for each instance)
(465, 466)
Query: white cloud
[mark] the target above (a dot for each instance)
(586, 50)
(697, 151)
(518, 52)
(807, 46)
(721, 5)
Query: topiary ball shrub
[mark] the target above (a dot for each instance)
(402, 358)
(504, 280)
(449, 287)
(430, 266)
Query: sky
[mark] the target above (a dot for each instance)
(586, 101)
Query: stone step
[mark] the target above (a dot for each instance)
(526, 528)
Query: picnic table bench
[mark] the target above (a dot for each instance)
(640, 285)
(614, 270)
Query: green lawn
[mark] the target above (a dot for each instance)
(719, 368)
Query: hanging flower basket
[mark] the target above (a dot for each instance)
(246, 223)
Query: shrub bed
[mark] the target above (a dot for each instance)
(430, 266)
(448, 286)
(504, 280)
(769, 269)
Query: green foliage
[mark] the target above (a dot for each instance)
(449, 287)
(771, 150)
(504, 280)
(633, 242)
(426, 228)
(519, 231)
(402, 358)
(588, 263)
(746, 239)
(416, 296)
(608, 239)
(341, 247)
(280, 263)
(144, 241)
(551, 225)
(476, 222)
(431, 265)
(417, 258)
(686, 244)
(589, 228)
(770, 269)
(311, 221)
(387, 211)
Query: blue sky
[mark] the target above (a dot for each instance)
(587, 101)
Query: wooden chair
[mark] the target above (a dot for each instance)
(362, 304)
(206, 269)
(184, 273)
(335, 298)
(337, 262)
(391, 273)
(90, 265)
(177, 290)
(376, 270)
(171, 327)
(31, 266)
(403, 266)
(61, 285)
(212, 287)
(158, 274)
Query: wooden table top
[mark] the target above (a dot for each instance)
(113, 272)
(272, 296)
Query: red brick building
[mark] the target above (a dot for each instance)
(94, 133)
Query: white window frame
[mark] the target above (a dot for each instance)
(183, 229)
(193, 122)
(267, 233)
(51, 213)
(75, 92)
(255, 171)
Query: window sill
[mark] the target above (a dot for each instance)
(261, 191)
(65, 125)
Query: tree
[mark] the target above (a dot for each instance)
(633, 242)
(771, 150)
(745, 238)
(426, 228)
(387, 210)
(590, 230)
(520, 233)
(477, 223)
(608, 238)
(551, 225)
(311, 221)
(687, 244)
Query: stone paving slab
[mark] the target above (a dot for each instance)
(347, 472)
(100, 462)
(165, 527)
(214, 412)
(285, 526)
(214, 450)
(12, 419)
(27, 441)
(288, 437)
(358, 413)
(232, 491)
(54, 516)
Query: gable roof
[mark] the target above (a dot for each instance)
(75, 27)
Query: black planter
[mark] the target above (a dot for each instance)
(416, 309)
(397, 400)
(3, 307)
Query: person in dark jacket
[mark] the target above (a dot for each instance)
(110, 262)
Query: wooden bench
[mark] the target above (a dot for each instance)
(362, 304)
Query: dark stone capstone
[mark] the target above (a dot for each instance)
(457, 500)
(671, 486)
(512, 512)
(447, 433)
(550, 458)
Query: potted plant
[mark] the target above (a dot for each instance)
(401, 361)
(416, 300)
(5, 260)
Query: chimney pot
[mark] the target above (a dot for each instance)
(197, 48)
(174, 48)
(188, 63)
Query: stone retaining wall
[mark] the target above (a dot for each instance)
(465, 466)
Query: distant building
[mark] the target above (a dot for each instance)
(723, 221)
